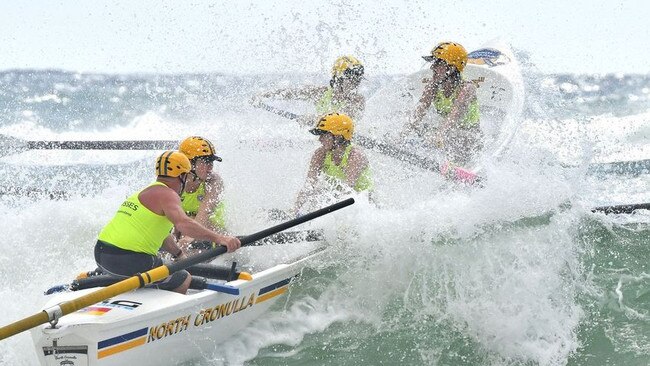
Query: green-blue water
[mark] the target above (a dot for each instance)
(519, 272)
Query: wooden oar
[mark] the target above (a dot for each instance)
(12, 145)
(52, 314)
(622, 209)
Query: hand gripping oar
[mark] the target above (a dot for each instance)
(11, 145)
(52, 314)
(622, 209)
(287, 237)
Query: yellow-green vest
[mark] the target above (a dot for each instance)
(363, 183)
(326, 104)
(136, 228)
(443, 106)
(192, 201)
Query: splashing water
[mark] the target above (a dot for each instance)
(517, 272)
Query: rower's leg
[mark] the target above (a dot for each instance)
(182, 289)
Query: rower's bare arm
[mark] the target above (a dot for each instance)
(423, 105)
(465, 97)
(357, 162)
(172, 209)
(357, 107)
(420, 111)
(171, 246)
(315, 167)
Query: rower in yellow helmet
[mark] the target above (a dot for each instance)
(342, 95)
(337, 158)
(454, 100)
(130, 242)
(202, 197)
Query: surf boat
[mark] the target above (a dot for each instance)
(156, 327)
(125, 323)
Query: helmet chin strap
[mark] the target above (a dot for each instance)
(440, 82)
(183, 181)
(340, 141)
(195, 176)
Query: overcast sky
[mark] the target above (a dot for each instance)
(239, 36)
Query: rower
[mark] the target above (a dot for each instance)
(202, 198)
(454, 100)
(130, 242)
(342, 95)
(344, 164)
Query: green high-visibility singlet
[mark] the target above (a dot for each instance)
(192, 201)
(326, 104)
(363, 183)
(443, 106)
(136, 228)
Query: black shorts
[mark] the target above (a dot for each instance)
(125, 263)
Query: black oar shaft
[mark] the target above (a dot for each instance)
(622, 209)
(247, 240)
(635, 167)
(278, 111)
(102, 145)
(399, 154)
(297, 221)
(367, 142)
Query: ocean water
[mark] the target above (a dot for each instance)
(518, 272)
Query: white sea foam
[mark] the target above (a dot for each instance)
(499, 265)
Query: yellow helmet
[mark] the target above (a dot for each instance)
(172, 164)
(452, 53)
(338, 124)
(347, 66)
(197, 147)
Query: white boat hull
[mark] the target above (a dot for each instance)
(155, 327)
